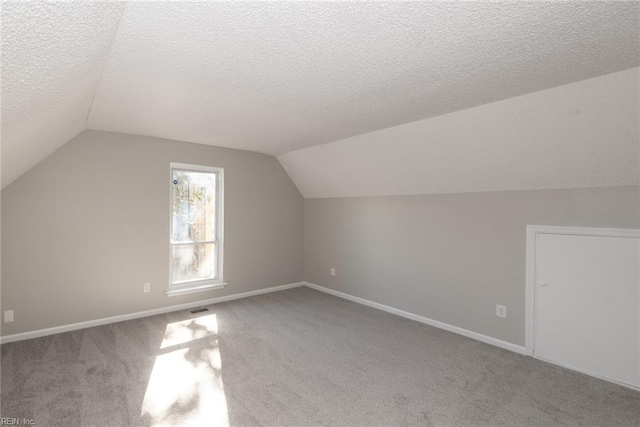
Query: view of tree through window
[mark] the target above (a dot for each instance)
(194, 242)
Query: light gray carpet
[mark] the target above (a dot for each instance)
(297, 357)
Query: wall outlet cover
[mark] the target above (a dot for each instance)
(501, 310)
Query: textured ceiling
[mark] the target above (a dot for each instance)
(52, 59)
(276, 77)
(583, 134)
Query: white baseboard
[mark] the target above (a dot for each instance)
(114, 319)
(435, 323)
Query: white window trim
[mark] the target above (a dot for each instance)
(202, 285)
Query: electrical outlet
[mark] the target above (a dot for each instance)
(8, 316)
(146, 287)
(333, 271)
(501, 310)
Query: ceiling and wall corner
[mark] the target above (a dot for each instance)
(280, 77)
(53, 55)
(580, 135)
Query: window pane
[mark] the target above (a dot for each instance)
(194, 203)
(193, 262)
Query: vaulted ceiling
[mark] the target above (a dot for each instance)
(279, 77)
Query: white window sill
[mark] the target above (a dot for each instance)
(194, 289)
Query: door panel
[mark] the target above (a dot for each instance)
(587, 304)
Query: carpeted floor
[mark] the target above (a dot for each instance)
(297, 357)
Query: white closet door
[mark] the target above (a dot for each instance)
(587, 304)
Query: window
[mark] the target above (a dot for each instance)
(196, 228)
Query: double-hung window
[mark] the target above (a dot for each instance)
(196, 228)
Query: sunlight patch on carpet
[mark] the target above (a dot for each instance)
(189, 330)
(185, 387)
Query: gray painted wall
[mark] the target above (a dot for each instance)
(449, 257)
(84, 229)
